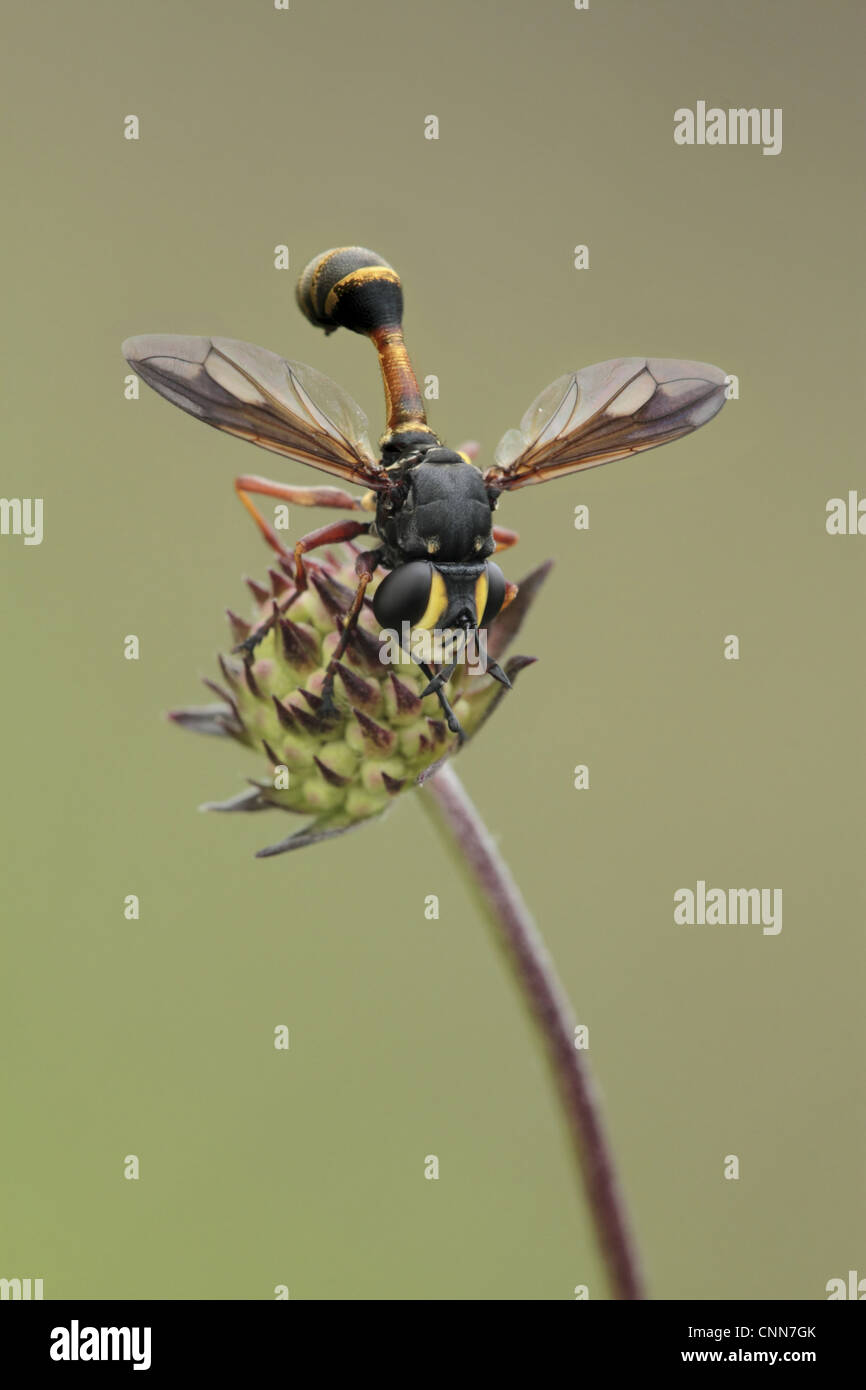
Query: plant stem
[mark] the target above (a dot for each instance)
(536, 975)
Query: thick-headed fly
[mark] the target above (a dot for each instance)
(432, 509)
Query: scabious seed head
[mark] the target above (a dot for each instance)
(384, 737)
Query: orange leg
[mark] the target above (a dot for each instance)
(470, 448)
(365, 566)
(301, 496)
(511, 592)
(345, 530)
(326, 535)
(504, 538)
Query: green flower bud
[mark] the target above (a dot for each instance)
(384, 738)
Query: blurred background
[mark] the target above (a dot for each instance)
(155, 1037)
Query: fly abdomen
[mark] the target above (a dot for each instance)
(351, 287)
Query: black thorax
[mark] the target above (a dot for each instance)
(437, 508)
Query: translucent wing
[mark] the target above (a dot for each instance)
(250, 392)
(606, 412)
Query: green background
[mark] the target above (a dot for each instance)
(154, 1037)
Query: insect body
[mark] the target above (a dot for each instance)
(433, 510)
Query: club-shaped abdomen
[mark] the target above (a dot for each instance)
(351, 287)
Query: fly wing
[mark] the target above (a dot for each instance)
(606, 412)
(247, 391)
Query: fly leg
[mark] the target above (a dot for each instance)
(365, 567)
(450, 717)
(301, 496)
(345, 530)
(504, 538)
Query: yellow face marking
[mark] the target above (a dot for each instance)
(481, 591)
(436, 604)
(433, 545)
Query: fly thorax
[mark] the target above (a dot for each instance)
(446, 516)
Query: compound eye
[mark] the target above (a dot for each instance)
(404, 595)
(496, 585)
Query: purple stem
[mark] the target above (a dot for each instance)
(547, 1000)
